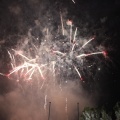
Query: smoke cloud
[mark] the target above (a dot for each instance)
(25, 103)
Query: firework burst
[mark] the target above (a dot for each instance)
(54, 60)
(62, 55)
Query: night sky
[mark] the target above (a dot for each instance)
(99, 18)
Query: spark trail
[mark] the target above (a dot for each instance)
(73, 1)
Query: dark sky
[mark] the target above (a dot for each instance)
(100, 17)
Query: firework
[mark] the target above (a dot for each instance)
(73, 1)
(54, 61)
(53, 56)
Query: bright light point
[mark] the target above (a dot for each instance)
(83, 81)
(93, 38)
(18, 52)
(17, 80)
(99, 69)
(90, 66)
(69, 22)
(73, 1)
(105, 53)
(81, 78)
(2, 74)
(7, 75)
